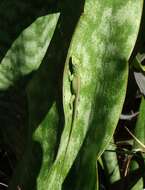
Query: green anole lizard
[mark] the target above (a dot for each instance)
(74, 78)
(75, 87)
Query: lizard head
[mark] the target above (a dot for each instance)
(73, 66)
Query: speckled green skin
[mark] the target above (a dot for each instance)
(75, 91)
(101, 46)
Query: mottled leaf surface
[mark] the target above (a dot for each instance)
(27, 52)
(101, 46)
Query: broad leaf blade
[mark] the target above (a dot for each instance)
(27, 52)
(43, 122)
(101, 47)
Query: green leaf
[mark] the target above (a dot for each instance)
(19, 16)
(44, 91)
(110, 163)
(27, 52)
(137, 62)
(32, 170)
(43, 121)
(101, 46)
(140, 135)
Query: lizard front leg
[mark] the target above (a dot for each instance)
(72, 99)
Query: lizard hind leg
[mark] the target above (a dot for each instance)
(70, 76)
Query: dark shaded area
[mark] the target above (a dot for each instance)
(127, 182)
(13, 122)
(132, 178)
(16, 15)
(131, 104)
(7, 164)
